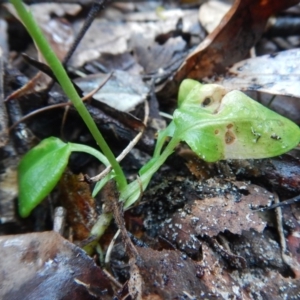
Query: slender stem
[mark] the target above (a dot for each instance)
(89, 150)
(101, 225)
(68, 87)
(132, 191)
(98, 230)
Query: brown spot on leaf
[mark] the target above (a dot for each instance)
(229, 126)
(207, 101)
(216, 131)
(229, 137)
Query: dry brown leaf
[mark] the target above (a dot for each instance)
(46, 266)
(117, 37)
(229, 212)
(252, 283)
(170, 275)
(231, 41)
(60, 36)
(76, 197)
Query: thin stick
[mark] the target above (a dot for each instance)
(37, 111)
(97, 6)
(110, 247)
(126, 150)
(86, 97)
(112, 279)
(278, 212)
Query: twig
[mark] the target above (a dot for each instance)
(280, 204)
(112, 279)
(37, 111)
(86, 97)
(110, 247)
(126, 150)
(286, 257)
(97, 6)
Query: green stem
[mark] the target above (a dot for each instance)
(68, 87)
(87, 149)
(98, 230)
(132, 191)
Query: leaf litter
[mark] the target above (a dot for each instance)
(219, 248)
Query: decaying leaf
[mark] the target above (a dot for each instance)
(45, 265)
(118, 37)
(58, 31)
(275, 74)
(75, 196)
(282, 173)
(230, 211)
(255, 283)
(169, 274)
(290, 220)
(122, 91)
(59, 34)
(231, 41)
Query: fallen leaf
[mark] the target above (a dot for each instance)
(117, 37)
(290, 219)
(122, 91)
(75, 196)
(281, 173)
(231, 41)
(273, 73)
(58, 33)
(45, 265)
(230, 211)
(169, 275)
(251, 283)
(211, 13)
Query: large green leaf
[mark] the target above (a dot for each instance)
(220, 125)
(39, 171)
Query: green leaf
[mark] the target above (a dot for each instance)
(39, 171)
(219, 125)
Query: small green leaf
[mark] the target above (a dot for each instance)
(39, 171)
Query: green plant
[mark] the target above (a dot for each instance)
(218, 125)
(215, 124)
(67, 86)
(41, 168)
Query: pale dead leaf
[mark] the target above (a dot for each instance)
(122, 91)
(211, 13)
(275, 74)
